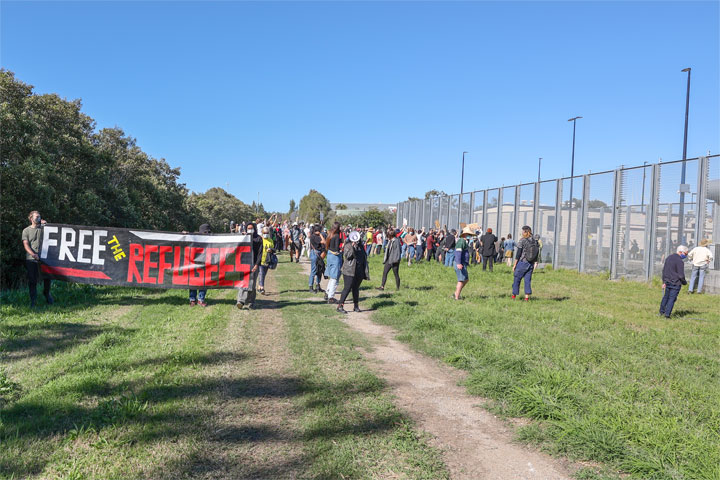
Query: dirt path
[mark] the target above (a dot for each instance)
(255, 425)
(475, 444)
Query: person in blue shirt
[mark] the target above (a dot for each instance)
(509, 248)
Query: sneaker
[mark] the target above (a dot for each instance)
(513, 297)
(380, 288)
(667, 316)
(340, 309)
(249, 306)
(192, 303)
(203, 303)
(356, 310)
(527, 299)
(312, 290)
(332, 301)
(325, 297)
(240, 305)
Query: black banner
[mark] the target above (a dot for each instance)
(142, 258)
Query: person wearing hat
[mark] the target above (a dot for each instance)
(700, 257)
(461, 260)
(197, 297)
(354, 270)
(391, 259)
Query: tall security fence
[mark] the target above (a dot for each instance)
(624, 222)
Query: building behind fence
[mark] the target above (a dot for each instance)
(624, 222)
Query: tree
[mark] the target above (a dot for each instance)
(293, 207)
(340, 206)
(596, 204)
(412, 199)
(218, 207)
(433, 193)
(312, 205)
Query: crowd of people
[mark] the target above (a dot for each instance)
(343, 251)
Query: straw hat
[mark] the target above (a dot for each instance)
(467, 231)
(704, 242)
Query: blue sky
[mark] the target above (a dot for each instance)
(373, 101)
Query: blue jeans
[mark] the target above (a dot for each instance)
(197, 295)
(697, 272)
(668, 300)
(523, 270)
(402, 251)
(418, 252)
(313, 268)
(261, 275)
(449, 258)
(411, 252)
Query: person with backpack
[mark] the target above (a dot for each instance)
(525, 258)
(268, 258)
(354, 270)
(391, 259)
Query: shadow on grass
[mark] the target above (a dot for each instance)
(159, 412)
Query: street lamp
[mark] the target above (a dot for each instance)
(681, 213)
(462, 176)
(572, 173)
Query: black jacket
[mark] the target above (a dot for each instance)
(674, 271)
(449, 242)
(488, 244)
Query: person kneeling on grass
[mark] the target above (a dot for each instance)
(354, 270)
(462, 259)
(673, 276)
(526, 256)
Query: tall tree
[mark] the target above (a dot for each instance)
(312, 205)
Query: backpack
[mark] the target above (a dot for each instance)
(531, 250)
(272, 264)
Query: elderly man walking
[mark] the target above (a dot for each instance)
(673, 277)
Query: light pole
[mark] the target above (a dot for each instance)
(462, 176)
(572, 173)
(539, 163)
(681, 213)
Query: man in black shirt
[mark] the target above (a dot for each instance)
(487, 242)
(317, 256)
(673, 277)
(449, 248)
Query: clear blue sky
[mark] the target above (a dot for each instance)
(373, 102)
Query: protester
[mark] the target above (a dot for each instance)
(354, 271)
(461, 261)
(333, 245)
(420, 245)
(268, 249)
(525, 258)
(411, 242)
(449, 248)
(317, 262)
(487, 242)
(296, 242)
(32, 240)
(197, 297)
(477, 249)
(430, 246)
(391, 259)
(700, 257)
(369, 235)
(509, 249)
(246, 296)
(307, 230)
(673, 277)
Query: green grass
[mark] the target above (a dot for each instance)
(603, 377)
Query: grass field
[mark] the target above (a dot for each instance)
(604, 377)
(121, 383)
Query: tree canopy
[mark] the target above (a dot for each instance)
(311, 205)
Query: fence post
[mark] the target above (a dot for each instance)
(703, 169)
(581, 241)
(614, 241)
(516, 216)
(483, 222)
(498, 227)
(558, 222)
(536, 208)
(652, 213)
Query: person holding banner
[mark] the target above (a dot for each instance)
(197, 297)
(246, 296)
(32, 239)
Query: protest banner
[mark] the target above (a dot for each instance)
(143, 258)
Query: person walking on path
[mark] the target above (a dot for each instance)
(525, 258)
(197, 296)
(32, 241)
(296, 243)
(317, 255)
(391, 259)
(487, 242)
(673, 277)
(246, 296)
(509, 249)
(268, 248)
(700, 257)
(333, 244)
(461, 259)
(354, 271)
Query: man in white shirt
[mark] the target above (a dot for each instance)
(700, 257)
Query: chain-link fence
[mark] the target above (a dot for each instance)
(624, 222)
